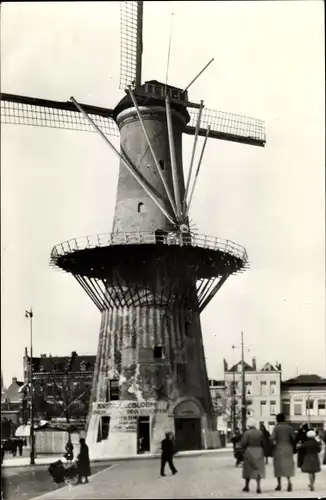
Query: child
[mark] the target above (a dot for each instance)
(311, 464)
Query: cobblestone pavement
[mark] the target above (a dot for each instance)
(206, 476)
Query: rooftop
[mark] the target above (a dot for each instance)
(308, 379)
(73, 363)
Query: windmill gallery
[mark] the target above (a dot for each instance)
(151, 276)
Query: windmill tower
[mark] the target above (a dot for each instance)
(151, 276)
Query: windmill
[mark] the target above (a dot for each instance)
(152, 276)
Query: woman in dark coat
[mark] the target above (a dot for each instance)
(253, 456)
(83, 462)
(283, 440)
(311, 464)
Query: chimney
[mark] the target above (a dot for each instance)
(14, 379)
(26, 352)
(74, 354)
(43, 356)
(254, 364)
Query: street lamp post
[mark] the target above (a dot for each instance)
(243, 383)
(243, 396)
(29, 314)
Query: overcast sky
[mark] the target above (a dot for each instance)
(269, 64)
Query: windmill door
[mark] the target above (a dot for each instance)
(187, 424)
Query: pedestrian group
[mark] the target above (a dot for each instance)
(255, 446)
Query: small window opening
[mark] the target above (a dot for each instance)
(161, 163)
(158, 352)
(114, 390)
(187, 328)
(140, 207)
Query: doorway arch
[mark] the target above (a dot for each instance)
(188, 425)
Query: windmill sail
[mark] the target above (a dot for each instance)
(22, 110)
(131, 43)
(228, 126)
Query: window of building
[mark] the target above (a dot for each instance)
(158, 352)
(273, 387)
(309, 404)
(83, 366)
(104, 428)
(263, 408)
(272, 408)
(286, 406)
(297, 408)
(114, 390)
(248, 388)
(322, 407)
(161, 163)
(140, 207)
(263, 388)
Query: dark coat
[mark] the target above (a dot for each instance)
(253, 456)
(84, 468)
(267, 443)
(167, 447)
(311, 449)
(300, 439)
(237, 449)
(283, 440)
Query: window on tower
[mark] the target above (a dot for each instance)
(161, 163)
(140, 207)
(158, 352)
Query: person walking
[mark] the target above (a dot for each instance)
(20, 447)
(69, 450)
(83, 462)
(14, 446)
(311, 463)
(253, 456)
(237, 450)
(283, 440)
(300, 439)
(168, 450)
(267, 442)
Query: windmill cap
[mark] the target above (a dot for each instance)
(145, 100)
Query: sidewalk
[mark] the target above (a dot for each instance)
(208, 476)
(47, 460)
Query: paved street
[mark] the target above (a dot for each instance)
(205, 476)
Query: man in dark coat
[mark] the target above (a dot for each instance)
(20, 447)
(168, 451)
(266, 442)
(83, 462)
(300, 439)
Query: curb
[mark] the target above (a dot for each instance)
(181, 454)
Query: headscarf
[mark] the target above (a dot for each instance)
(252, 424)
(311, 434)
